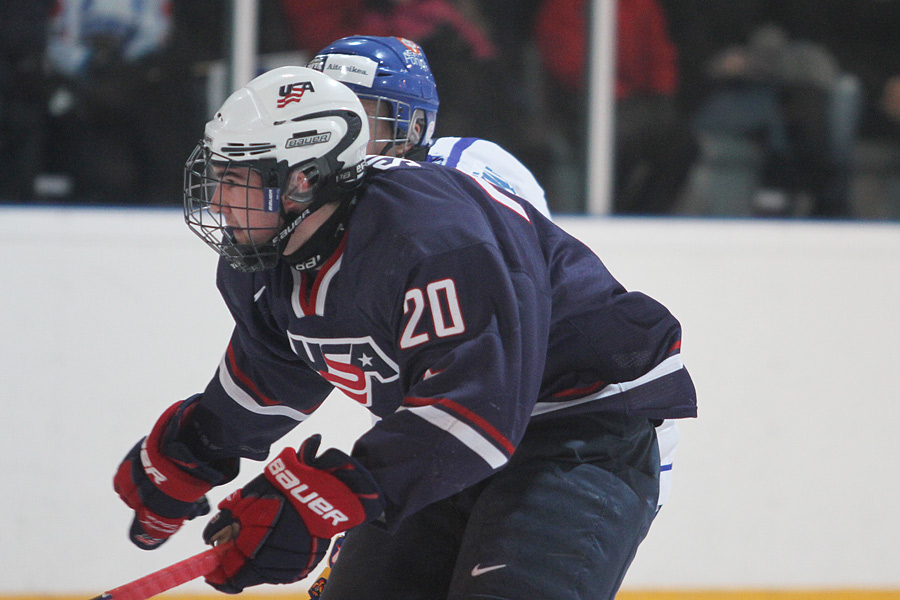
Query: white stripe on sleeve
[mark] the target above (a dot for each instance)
(462, 432)
(245, 400)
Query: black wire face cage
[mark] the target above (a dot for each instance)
(399, 118)
(236, 207)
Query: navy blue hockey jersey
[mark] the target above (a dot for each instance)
(457, 314)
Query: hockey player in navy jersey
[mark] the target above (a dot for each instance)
(516, 382)
(392, 77)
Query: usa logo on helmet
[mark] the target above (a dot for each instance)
(293, 92)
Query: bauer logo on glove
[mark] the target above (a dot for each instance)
(292, 485)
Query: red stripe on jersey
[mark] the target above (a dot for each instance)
(410, 401)
(301, 295)
(580, 391)
(244, 379)
(320, 277)
(470, 416)
(675, 347)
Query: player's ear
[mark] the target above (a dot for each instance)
(415, 134)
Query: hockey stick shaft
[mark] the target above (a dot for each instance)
(167, 578)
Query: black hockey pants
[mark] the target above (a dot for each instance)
(562, 521)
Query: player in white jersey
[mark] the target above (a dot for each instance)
(394, 81)
(481, 158)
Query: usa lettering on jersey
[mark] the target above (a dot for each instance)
(349, 364)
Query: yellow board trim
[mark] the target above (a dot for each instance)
(842, 594)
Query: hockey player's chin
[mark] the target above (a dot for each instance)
(245, 237)
(239, 237)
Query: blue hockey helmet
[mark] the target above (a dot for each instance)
(392, 71)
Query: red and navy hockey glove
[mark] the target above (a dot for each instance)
(286, 517)
(164, 483)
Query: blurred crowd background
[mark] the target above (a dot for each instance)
(757, 108)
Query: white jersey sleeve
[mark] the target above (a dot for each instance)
(488, 161)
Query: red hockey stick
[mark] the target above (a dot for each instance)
(168, 577)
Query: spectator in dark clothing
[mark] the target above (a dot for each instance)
(120, 103)
(860, 36)
(863, 38)
(702, 28)
(23, 33)
(522, 123)
(462, 56)
(790, 97)
(654, 147)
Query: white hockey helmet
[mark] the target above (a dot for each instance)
(297, 138)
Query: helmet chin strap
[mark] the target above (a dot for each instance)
(387, 147)
(414, 134)
(320, 245)
(266, 255)
(325, 240)
(417, 153)
(293, 220)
